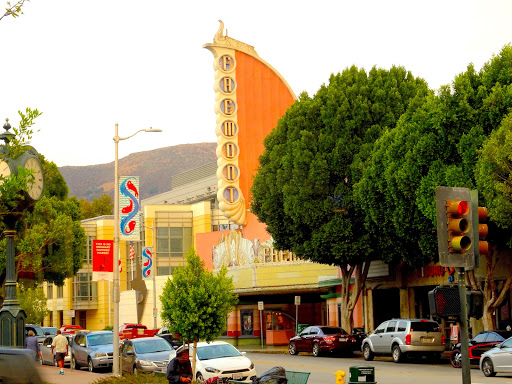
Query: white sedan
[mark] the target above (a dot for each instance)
(497, 359)
(220, 359)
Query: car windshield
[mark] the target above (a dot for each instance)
(332, 330)
(50, 330)
(216, 351)
(101, 339)
(152, 346)
(424, 326)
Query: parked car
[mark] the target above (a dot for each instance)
(70, 329)
(497, 359)
(320, 338)
(50, 330)
(17, 366)
(481, 343)
(174, 339)
(220, 359)
(145, 354)
(38, 332)
(404, 337)
(47, 357)
(132, 331)
(92, 349)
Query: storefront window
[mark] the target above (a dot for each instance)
(246, 315)
(279, 321)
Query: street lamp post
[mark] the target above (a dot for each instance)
(116, 293)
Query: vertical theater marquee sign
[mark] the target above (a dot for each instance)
(229, 194)
(243, 122)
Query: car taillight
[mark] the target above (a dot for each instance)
(408, 339)
(443, 340)
(329, 339)
(351, 339)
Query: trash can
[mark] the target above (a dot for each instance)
(362, 374)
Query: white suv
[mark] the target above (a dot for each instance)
(404, 337)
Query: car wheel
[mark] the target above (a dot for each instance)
(74, 364)
(55, 364)
(292, 349)
(90, 366)
(134, 370)
(488, 368)
(199, 378)
(41, 361)
(456, 359)
(396, 354)
(367, 352)
(316, 350)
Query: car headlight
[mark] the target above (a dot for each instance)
(212, 370)
(251, 366)
(145, 363)
(100, 355)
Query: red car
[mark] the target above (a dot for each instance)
(70, 329)
(321, 338)
(481, 343)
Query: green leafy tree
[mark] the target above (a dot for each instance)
(196, 303)
(436, 143)
(303, 188)
(33, 301)
(50, 242)
(100, 206)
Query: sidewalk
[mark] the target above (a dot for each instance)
(51, 375)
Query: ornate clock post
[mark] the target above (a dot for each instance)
(12, 317)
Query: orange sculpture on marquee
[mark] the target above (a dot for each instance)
(250, 97)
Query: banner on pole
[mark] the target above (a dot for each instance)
(102, 260)
(129, 219)
(147, 263)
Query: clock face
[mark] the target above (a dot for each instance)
(35, 189)
(5, 170)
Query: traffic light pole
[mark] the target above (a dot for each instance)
(464, 334)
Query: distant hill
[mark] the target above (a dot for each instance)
(155, 169)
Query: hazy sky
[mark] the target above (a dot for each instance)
(89, 64)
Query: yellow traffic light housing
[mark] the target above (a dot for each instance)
(459, 225)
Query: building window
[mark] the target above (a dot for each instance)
(247, 321)
(49, 291)
(84, 289)
(88, 253)
(174, 239)
(60, 292)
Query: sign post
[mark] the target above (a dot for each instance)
(297, 303)
(260, 308)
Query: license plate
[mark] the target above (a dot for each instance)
(237, 376)
(343, 339)
(427, 339)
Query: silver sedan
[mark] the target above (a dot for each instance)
(497, 359)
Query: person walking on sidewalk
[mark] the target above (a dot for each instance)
(32, 344)
(60, 344)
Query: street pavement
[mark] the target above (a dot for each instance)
(51, 375)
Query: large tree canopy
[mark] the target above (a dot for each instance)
(436, 144)
(303, 188)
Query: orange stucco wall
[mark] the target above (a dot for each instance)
(262, 98)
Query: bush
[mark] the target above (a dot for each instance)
(141, 378)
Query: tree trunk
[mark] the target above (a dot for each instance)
(194, 361)
(348, 300)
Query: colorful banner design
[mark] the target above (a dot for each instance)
(147, 263)
(129, 208)
(102, 260)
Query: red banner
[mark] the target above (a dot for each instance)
(102, 259)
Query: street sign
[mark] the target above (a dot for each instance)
(260, 305)
(297, 300)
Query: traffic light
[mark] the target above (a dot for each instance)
(455, 216)
(483, 230)
(475, 301)
(444, 301)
